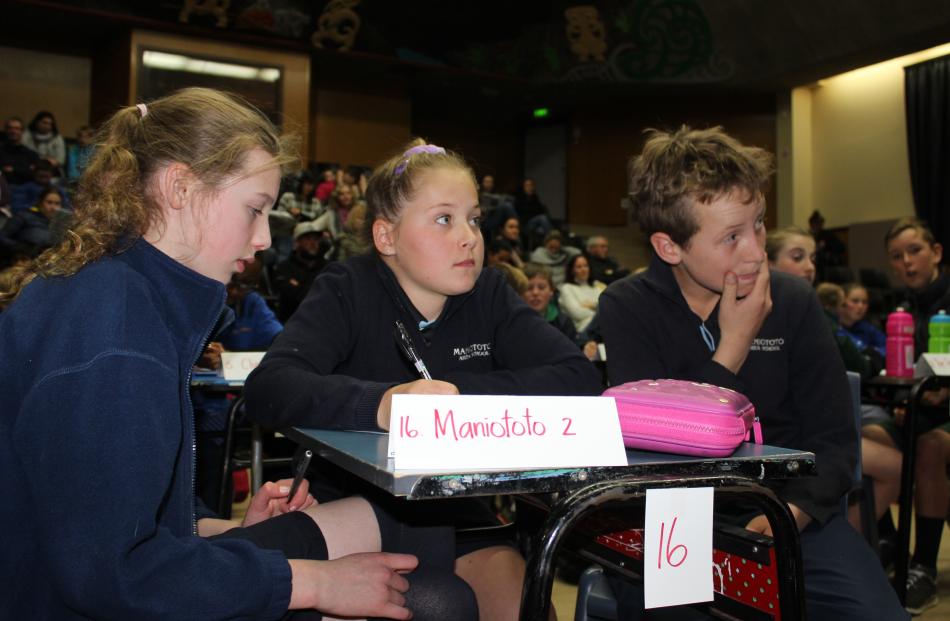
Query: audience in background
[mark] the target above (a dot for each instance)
(603, 267)
(852, 317)
(326, 186)
(496, 208)
(915, 257)
(539, 295)
(301, 203)
(294, 275)
(498, 251)
(43, 136)
(791, 249)
(354, 178)
(27, 194)
(333, 219)
(30, 230)
(578, 294)
(78, 154)
(532, 213)
(510, 231)
(350, 242)
(554, 255)
(254, 325)
(831, 297)
(16, 159)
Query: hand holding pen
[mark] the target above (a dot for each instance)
(424, 386)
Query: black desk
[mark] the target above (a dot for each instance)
(917, 387)
(581, 491)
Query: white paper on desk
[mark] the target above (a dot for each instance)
(468, 433)
(677, 547)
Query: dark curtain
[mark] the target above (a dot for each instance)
(927, 95)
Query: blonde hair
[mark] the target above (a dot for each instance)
(830, 295)
(209, 131)
(393, 182)
(776, 240)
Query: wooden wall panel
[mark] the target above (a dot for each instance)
(602, 139)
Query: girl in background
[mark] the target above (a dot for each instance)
(579, 296)
(852, 315)
(791, 249)
(337, 364)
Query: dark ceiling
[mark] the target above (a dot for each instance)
(521, 49)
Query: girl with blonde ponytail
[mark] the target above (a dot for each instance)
(97, 458)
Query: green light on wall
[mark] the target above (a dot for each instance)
(540, 113)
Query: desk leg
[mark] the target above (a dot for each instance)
(536, 596)
(906, 498)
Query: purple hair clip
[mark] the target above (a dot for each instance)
(422, 148)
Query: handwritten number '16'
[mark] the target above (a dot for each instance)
(405, 430)
(669, 551)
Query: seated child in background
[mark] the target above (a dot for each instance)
(337, 364)
(791, 249)
(879, 462)
(831, 298)
(539, 295)
(708, 309)
(254, 325)
(915, 256)
(852, 318)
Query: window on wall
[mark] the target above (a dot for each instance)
(161, 72)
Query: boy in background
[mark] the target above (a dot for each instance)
(707, 309)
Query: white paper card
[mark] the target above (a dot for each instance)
(237, 365)
(677, 555)
(932, 364)
(489, 432)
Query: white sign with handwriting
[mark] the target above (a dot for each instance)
(237, 365)
(932, 364)
(490, 432)
(677, 546)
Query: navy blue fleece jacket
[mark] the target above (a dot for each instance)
(97, 453)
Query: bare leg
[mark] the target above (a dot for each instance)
(496, 574)
(882, 462)
(348, 526)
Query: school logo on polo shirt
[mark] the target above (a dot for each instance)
(767, 344)
(472, 351)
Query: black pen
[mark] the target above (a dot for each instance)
(402, 337)
(298, 476)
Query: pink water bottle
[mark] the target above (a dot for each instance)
(900, 344)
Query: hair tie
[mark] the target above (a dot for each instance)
(422, 148)
(143, 111)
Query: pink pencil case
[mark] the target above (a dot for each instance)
(689, 418)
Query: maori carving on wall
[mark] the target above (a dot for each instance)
(216, 8)
(337, 26)
(585, 33)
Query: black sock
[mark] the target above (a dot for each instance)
(885, 526)
(928, 532)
